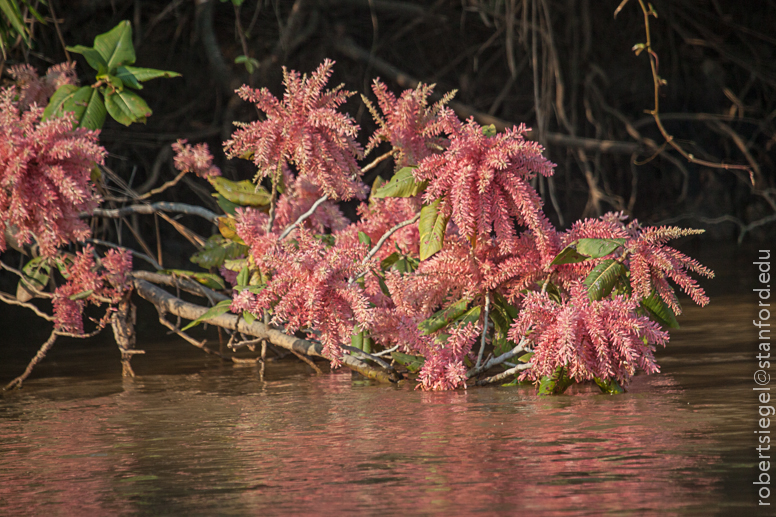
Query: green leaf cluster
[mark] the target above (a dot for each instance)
(112, 56)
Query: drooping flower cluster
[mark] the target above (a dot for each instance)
(652, 263)
(602, 339)
(409, 123)
(86, 283)
(44, 176)
(37, 90)
(306, 130)
(196, 159)
(484, 181)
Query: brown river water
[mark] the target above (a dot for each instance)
(190, 435)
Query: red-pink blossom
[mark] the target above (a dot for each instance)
(409, 123)
(484, 181)
(196, 159)
(37, 90)
(306, 130)
(44, 176)
(89, 284)
(604, 339)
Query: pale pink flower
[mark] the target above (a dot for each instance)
(196, 159)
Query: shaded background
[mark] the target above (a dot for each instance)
(565, 68)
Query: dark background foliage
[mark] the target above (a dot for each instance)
(564, 67)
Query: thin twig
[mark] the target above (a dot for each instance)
(17, 382)
(12, 300)
(150, 193)
(303, 217)
(380, 243)
(386, 352)
(377, 161)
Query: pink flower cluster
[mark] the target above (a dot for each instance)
(306, 130)
(196, 159)
(603, 339)
(37, 90)
(86, 283)
(44, 176)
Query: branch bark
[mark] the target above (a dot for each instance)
(167, 303)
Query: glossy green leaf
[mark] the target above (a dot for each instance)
(402, 184)
(227, 206)
(85, 102)
(568, 255)
(82, 295)
(443, 317)
(602, 279)
(597, 248)
(470, 316)
(610, 386)
(244, 276)
(115, 46)
(659, 311)
(92, 56)
(413, 363)
(133, 76)
(243, 193)
(217, 251)
(389, 261)
(127, 107)
(35, 277)
(216, 310)
(432, 226)
(365, 239)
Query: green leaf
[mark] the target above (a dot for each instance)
(216, 310)
(244, 276)
(85, 102)
(406, 265)
(82, 295)
(115, 46)
(227, 206)
(556, 383)
(432, 226)
(442, 317)
(402, 184)
(14, 16)
(133, 76)
(228, 228)
(365, 239)
(389, 261)
(383, 285)
(35, 276)
(250, 63)
(597, 248)
(248, 317)
(243, 193)
(470, 316)
(489, 130)
(525, 357)
(602, 279)
(216, 251)
(413, 363)
(568, 255)
(92, 56)
(610, 386)
(127, 107)
(659, 311)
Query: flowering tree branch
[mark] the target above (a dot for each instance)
(506, 356)
(380, 243)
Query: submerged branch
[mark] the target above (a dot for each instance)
(520, 347)
(503, 375)
(166, 302)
